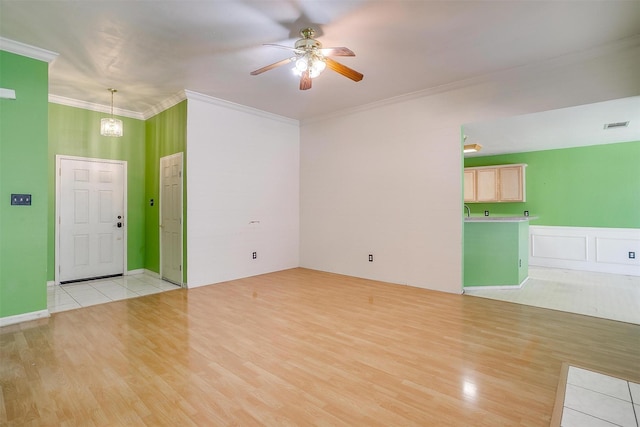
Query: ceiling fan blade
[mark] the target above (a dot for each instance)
(279, 46)
(344, 70)
(271, 66)
(337, 51)
(305, 80)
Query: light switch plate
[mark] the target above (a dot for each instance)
(7, 93)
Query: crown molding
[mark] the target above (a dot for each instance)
(628, 43)
(165, 105)
(27, 50)
(239, 107)
(70, 102)
(168, 103)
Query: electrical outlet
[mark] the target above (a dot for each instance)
(254, 255)
(632, 255)
(370, 257)
(526, 213)
(21, 199)
(486, 213)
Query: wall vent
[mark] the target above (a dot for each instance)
(616, 125)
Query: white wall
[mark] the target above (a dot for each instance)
(387, 179)
(242, 167)
(383, 182)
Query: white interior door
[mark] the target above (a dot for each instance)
(171, 218)
(91, 223)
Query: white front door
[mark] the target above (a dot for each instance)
(90, 218)
(171, 218)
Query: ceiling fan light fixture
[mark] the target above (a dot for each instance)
(317, 67)
(311, 60)
(111, 126)
(314, 63)
(301, 65)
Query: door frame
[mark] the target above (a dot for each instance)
(59, 158)
(160, 201)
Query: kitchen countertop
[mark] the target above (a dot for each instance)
(499, 218)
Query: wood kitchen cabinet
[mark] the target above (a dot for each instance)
(469, 185)
(493, 184)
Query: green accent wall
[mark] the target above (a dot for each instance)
(593, 186)
(166, 134)
(23, 169)
(495, 253)
(32, 132)
(76, 132)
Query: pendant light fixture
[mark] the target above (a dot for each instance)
(111, 126)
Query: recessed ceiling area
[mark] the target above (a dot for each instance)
(151, 50)
(563, 128)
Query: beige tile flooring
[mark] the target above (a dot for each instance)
(100, 291)
(610, 296)
(593, 399)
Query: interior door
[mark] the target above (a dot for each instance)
(171, 218)
(91, 223)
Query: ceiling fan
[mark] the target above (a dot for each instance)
(311, 59)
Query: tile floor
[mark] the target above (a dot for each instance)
(610, 296)
(99, 291)
(592, 399)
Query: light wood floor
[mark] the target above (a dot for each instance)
(301, 347)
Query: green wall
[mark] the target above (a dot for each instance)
(594, 186)
(23, 169)
(495, 253)
(166, 134)
(76, 132)
(32, 132)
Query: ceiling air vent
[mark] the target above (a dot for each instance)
(616, 125)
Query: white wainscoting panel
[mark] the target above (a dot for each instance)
(616, 251)
(572, 248)
(604, 250)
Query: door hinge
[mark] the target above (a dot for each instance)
(180, 174)
(180, 267)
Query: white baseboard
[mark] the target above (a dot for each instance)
(470, 288)
(24, 317)
(602, 250)
(134, 272)
(51, 283)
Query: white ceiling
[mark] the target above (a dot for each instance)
(152, 50)
(567, 127)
